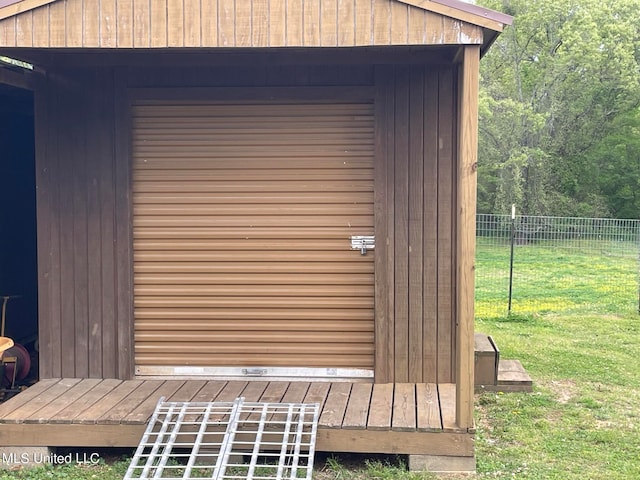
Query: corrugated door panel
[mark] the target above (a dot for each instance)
(243, 215)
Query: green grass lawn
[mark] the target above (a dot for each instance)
(575, 328)
(579, 339)
(583, 419)
(577, 278)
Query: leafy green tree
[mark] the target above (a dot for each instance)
(553, 88)
(615, 161)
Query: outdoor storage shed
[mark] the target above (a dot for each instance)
(205, 173)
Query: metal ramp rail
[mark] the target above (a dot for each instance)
(227, 440)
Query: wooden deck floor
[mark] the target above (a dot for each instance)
(409, 419)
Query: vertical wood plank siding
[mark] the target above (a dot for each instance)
(445, 225)
(415, 213)
(430, 232)
(229, 23)
(383, 215)
(80, 299)
(84, 212)
(123, 232)
(47, 235)
(415, 202)
(401, 227)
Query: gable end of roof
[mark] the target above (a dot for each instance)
(457, 9)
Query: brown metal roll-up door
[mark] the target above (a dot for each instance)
(243, 214)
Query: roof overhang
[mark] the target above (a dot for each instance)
(467, 12)
(491, 21)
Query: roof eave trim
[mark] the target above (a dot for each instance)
(15, 8)
(478, 10)
(467, 12)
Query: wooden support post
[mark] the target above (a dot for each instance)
(466, 231)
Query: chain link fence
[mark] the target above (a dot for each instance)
(533, 264)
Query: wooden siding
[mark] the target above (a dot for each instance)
(415, 195)
(243, 210)
(84, 215)
(85, 259)
(84, 312)
(231, 23)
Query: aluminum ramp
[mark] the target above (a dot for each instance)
(227, 440)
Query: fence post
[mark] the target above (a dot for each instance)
(637, 222)
(513, 238)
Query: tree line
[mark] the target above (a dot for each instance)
(560, 110)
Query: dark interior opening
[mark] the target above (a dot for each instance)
(18, 257)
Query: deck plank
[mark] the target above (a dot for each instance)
(210, 391)
(447, 394)
(122, 409)
(317, 393)
(357, 417)
(40, 401)
(44, 415)
(404, 408)
(511, 372)
(335, 406)
(25, 397)
(187, 391)
(104, 404)
(428, 408)
(229, 393)
(252, 393)
(357, 411)
(74, 410)
(142, 413)
(295, 394)
(380, 409)
(272, 394)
